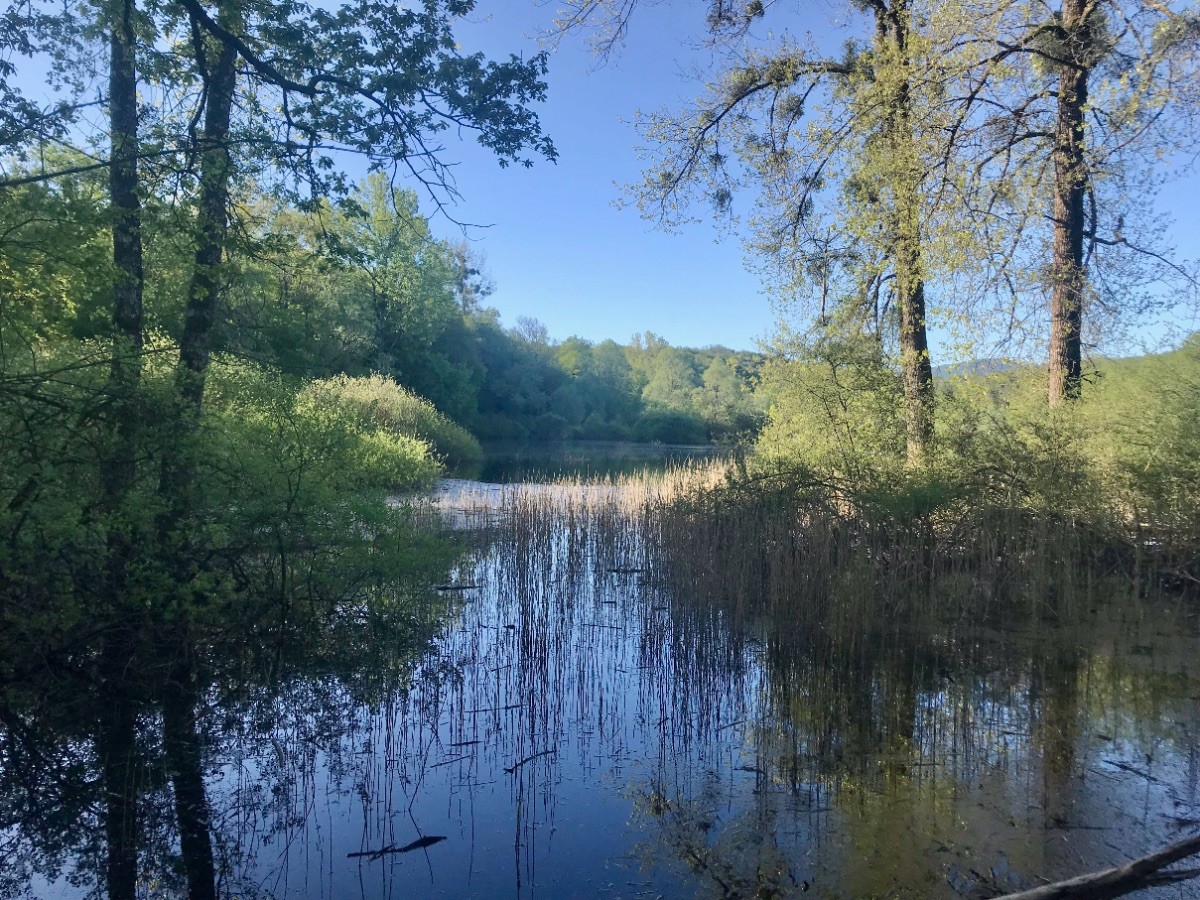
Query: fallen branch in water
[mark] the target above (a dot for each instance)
(419, 844)
(522, 762)
(1133, 876)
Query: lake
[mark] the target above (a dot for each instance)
(516, 461)
(587, 720)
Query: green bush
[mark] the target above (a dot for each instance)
(380, 403)
(836, 406)
(670, 426)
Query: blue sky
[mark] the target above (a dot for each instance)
(557, 247)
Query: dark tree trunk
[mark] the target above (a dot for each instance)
(1070, 189)
(916, 367)
(181, 744)
(123, 194)
(119, 468)
(116, 746)
(907, 258)
(212, 224)
(200, 315)
(116, 742)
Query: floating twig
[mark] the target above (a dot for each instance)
(1132, 770)
(522, 762)
(419, 844)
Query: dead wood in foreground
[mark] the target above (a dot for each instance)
(1133, 876)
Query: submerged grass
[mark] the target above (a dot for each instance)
(806, 551)
(839, 652)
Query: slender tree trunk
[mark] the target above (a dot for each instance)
(116, 746)
(1070, 189)
(915, 364)
(200, 315)
(216, 166)
(123, 195)
(126, 366)
(181, 744)
(117, 733)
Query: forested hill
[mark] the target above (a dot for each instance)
(361, 287)
(645, 391)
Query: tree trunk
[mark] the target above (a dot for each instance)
(212, 224)
(181, 744)
(116, 742)
(123, 195)
(1070, 189)
(916, 367)
(119, 467)
(200, 315)
(915, 364)
(116, 747)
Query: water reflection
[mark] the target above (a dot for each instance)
(593, 721)
(509, 462)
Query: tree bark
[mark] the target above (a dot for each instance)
(116, 742)
(200, 314)
(123, 195)
(116, 746)
(118, 470)
(915, 364)
(181, 744)
(216, 164)
(1070, 189)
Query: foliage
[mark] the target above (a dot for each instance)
(362, 287)
(1123, 462)
(834, 407)
(389, 411)
(284, 474)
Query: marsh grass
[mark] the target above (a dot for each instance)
(837, 650)
(805, 551)
(784, 685)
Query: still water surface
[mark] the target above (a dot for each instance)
(580, 729)
(510, 462)
(578, 732)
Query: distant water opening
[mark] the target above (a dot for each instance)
(510, 462)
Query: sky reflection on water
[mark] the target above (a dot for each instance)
(581, 728)
(582, 732)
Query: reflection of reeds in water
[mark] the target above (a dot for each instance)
(787, 691)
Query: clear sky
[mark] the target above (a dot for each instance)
(557, 247)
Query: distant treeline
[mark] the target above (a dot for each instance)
(364, 288)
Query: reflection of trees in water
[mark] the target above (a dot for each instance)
(940, 743)
(789, 739)
(745, 858)
(110, 735)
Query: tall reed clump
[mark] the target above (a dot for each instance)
(816, 552)
(384, 405)
(1013, 501)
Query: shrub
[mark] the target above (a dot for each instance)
(380, 403)
(670, 426)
